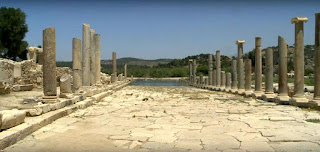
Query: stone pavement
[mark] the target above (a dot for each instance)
(140, 118)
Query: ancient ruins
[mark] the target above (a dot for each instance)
(235, 110)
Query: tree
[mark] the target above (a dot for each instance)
(13, 28)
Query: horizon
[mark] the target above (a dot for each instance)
(175, 29)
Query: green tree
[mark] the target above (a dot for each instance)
(13, 28)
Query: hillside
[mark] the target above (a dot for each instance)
(136, 61)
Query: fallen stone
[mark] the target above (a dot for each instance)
(11, 118)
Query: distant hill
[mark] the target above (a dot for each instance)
(137, 62)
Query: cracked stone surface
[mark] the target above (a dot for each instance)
(146, 118)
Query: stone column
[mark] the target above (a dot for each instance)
(299, 98)
(214, 75)
(210, 67)
(194, 71)
(65, 86)
(282, 97)
(201, 79)
(223, 79)
(114, 68)
(125, 71)
(234, 74)
(86, 55)
(190, 71)
(218, 67)
(76, 65)
(49, 65)
(228, 80)
(269, 94)
(258, 67)
(248, 75)
(317, 61)
(96, 39)
(40, 56)
(241, 81)
(240, 65)
(92, 58)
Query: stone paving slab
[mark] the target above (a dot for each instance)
(140, 118)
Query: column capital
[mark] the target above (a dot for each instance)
(299, 19)
(240, 41)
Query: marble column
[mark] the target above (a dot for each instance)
(258, 67)
(194, 71)
(92, 58)
(114, 67)
(86, 55)
(299, 98)
(228, 80)
(240, 65)
(96, 39)
(282, 97)
(49, 64)
(125, 71)
(223, 79)
(248, 71)
(317, 61)
(269, 94)
(210, 68)
(218, 67)
(76, 65)
(234, 74)
(214, 74)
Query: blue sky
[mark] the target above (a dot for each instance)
(166, 29)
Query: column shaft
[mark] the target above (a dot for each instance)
(282, 70)
(258, 65)
(248, 75)
(218, 67)
(76, 64)
(269, 71)
(86, 55)
(234, 74)
(210, 69)
(317, 58)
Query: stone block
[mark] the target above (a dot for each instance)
(11, 118)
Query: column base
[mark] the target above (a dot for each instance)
(247, 94)
(301, 102)
(49, 99)
(283, 100)
(66, 95)
(227, 89)
(257, 94)
(240, 91)
(233, 91)
(268, 97)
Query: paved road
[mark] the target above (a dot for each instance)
(139, 118)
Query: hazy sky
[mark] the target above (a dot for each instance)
(152, 29)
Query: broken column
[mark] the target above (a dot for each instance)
(282, 97)
(214, 75)
(76, 65)
(114, 68)
(269, 94)
(258, 69)
(201, 80)
(86, 55)
(65, 86)
(49, 65)
(299, 98)
(194, 71)
(125, 71)
(210, 69)
(218, 67)
(316, 99)
(248, 90)
(32, 53)
(234, 74)
(96, 40)
(92, 58)
(223, 80)
(190, 71)
(228, 80)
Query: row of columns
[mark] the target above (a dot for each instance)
(239, 80)
(86, 65)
